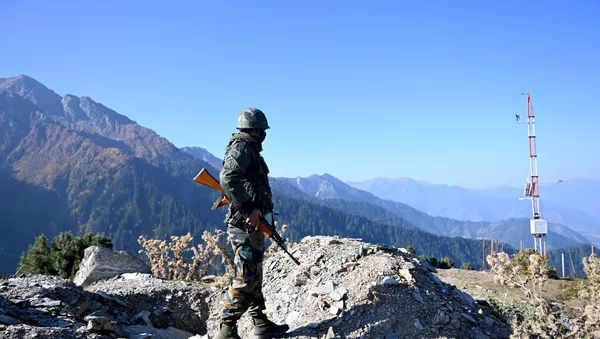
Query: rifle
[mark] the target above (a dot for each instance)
(238, 220)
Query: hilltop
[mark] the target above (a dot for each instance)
(343, 288)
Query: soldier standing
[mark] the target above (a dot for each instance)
(244, 180)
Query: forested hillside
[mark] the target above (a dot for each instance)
(69, 163)
(573, 259)
(330, 191)
(307, 218)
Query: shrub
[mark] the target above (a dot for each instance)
(168, 260)
(529, 272)
(446, 263)
(466, 266)
(62, 256)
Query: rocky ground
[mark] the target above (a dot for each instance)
(346, 288)
(132, 306)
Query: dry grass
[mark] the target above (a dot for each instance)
(540, 318)
(290, 246)
(168, 260)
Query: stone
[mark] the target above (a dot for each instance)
(405, 273)
(467, 298)
(418, 325)
(441, 318)
(99, 324)
(391, 336)
(292, 317)
(46, 302)
(409, 266)
(103, 263)
(338, 294)
(6, 320)
(469, 318)
(111, 298)
(323, 289)
(455, 323)
(389, 281)
(142, 318)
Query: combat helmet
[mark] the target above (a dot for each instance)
(252, 118)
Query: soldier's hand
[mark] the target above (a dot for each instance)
(254, 218)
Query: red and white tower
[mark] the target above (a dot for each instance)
(539, 226)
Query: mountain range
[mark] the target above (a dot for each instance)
(68, 163)
(329, 191)
(571, 203)
(514, 230)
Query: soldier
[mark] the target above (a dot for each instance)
(244, 180)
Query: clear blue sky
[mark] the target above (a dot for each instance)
(357, 89)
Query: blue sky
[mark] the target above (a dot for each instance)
(357, 89)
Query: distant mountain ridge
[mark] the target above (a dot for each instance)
(329, 189)
(559, 201)
(71, 164)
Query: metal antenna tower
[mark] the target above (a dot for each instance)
(538, 226)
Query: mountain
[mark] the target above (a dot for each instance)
(560, 202)
(330, 191)
(71, 164)
(90, 171)
(203, 154)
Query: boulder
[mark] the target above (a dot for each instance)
(103, 263)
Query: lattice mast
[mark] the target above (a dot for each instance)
(539, 226)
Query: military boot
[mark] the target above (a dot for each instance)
(265, 328)
(228, 331)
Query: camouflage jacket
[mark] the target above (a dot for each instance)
(244, 177)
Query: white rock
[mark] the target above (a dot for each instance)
(292, 317)
(389, 281)
(103, 263)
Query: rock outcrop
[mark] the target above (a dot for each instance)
(347, 288)
(103, 263)
(344, 288)
(134, 306)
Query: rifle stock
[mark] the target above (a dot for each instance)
(206, 179)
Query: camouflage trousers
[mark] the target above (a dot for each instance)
(245, 291)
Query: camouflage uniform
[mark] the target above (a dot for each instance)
(244, 180)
